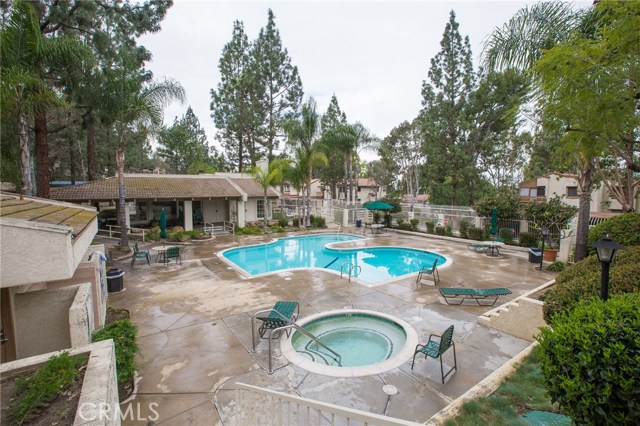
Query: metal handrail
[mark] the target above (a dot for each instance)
(253, 327)
(352, 267)
(306, 333)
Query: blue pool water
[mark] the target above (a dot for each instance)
(377, 263)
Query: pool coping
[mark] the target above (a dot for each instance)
(245, 274)
(407, 351)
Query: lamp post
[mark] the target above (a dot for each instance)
(545, 233)
(606, 249)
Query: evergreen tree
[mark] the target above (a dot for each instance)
(183, 144)
(334, 173)
(445, 120)
(282, 85)
(333, 117)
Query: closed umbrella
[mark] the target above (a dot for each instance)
(378, 205)
(163, 224)
(494, 222)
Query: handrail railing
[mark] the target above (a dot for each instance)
(352, 268)
(306, 333)
(116, 229)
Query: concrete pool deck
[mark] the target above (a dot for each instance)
(194, 331)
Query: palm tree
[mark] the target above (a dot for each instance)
(137, 104)
(273, 175)
(303, 134)
(519, 44)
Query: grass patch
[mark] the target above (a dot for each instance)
(35, 392)
(523, 391)
(123, 332)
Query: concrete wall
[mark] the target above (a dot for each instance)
(42, 320)
(521, 318)
(81, 317)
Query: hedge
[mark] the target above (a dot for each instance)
(623, 229)
(581, 281)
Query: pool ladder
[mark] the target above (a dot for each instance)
(279, 330)
(351, 270)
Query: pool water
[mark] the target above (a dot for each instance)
(360, 339)
(375, 264)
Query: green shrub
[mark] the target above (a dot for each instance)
(283, 222)
(318, 222)
(296, 222)
(556, 267)
(581, 281)
(464, 226)
(505, 201)
(431, 225)
(475, 233)
(528, 240)
(507, 235)
(414, 224)
(439, 230)
(448, 231)
(123, 333)
(400, 221)
(152, 236)
(34, 392)
(623, 229)
(591, 361)
(249, 230)
(405, 227)
(376, 217)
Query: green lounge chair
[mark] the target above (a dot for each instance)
(425, 273)
(282, 314)
(172, 253)
(476, 294)
(139, 254)
(478, 247)
(435, 347)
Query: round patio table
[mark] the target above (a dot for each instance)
(160, 252)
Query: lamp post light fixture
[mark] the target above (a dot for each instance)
(545, 233)
(606, 249)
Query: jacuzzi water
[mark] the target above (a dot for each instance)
(376, 264)
(359, 338)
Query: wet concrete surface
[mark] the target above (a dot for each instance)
(194, 331)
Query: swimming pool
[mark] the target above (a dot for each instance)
(376, 264)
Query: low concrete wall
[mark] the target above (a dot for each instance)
(98, 404)
(81, 317)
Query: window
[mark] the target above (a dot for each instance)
(286, 188)
(260, 209)
(540, 192)
(524, 192)
(572, 191)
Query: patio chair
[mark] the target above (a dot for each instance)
(282, 314)
(172, 253)
(139, 254)
(436, 347)
(425, 273)
(476, 294)
(478, 247)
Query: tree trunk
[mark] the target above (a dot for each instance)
(585, 181)
(25, 156)
(122, 220)
(72, 162)
(91, 152)
(42, 155)
(266, 201)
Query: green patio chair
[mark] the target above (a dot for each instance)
(478, 247)
(282, 314)
(139, 254)
(429, 274)
(436, 347)
(172, 253)
(476, 294)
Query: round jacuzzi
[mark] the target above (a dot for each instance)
(350, 343)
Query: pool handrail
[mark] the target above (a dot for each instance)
(352, 267)
(306, 333)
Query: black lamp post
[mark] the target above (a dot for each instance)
(545, 233)
(606, 249)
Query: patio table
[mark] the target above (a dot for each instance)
(160, 252)
(493, 247)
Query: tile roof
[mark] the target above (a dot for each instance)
(143, 186)
(38, 210)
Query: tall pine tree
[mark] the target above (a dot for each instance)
(445, 121)
(183, 144)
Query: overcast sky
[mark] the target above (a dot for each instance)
(373, 55)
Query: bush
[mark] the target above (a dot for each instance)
(623, 229)
(591, 361)
(249, 230)
(123, 333)
(430, 226)
(581, 281)
(439, 230)
(400, 222)
(277, 228)
(296, 222)
(475, 233)
(376, 217)
(556, 267)
(283, 222)
(414, 224)
(528, 240)
(318, 222)
(464, 226)
(507, 235)
(505, 201)
(448, 231)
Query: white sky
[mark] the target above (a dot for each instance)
(373, 55)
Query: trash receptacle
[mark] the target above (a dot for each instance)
(115, 280)
(535, 255)
(358, 223)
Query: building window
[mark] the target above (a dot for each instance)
(524, 192)
(260, 209)
(286, 188)
(572, 191)
(540, 191)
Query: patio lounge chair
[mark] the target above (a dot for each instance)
(139, 254)
(173, 253)
(478, 247)
(282, 313)
(476, 294)
(425, 273)
(435, 347)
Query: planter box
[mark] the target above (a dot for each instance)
(99, 388)
(550, 255)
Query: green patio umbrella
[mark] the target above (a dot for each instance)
(494, 222)
(378, 205)
(163, 224)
